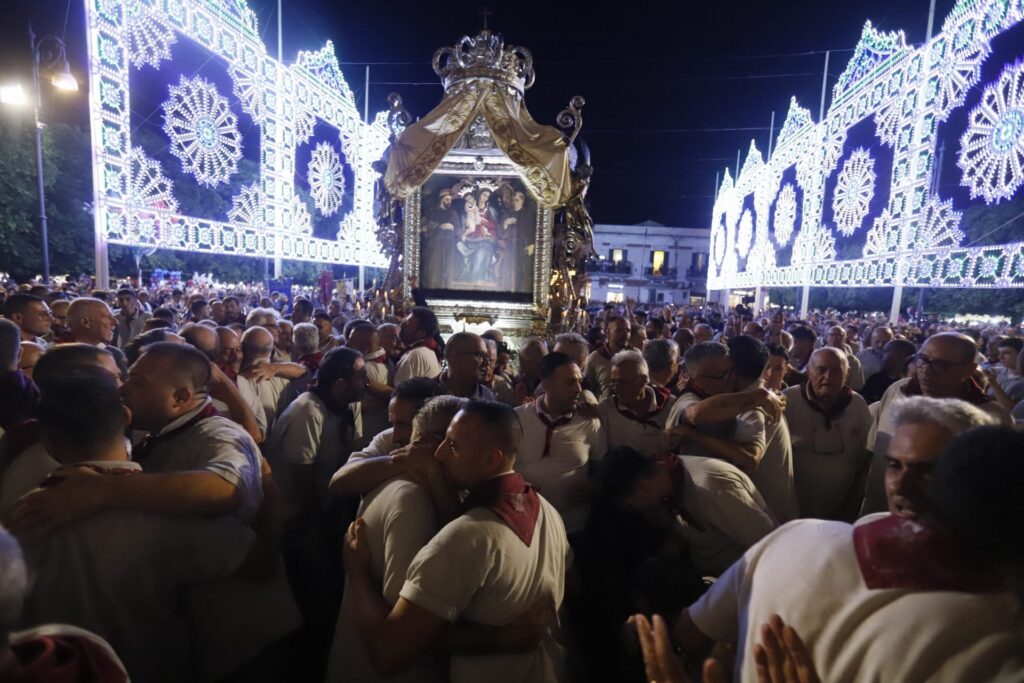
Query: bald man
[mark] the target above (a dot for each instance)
(30, 353)
(90, 321)
(468, 367)
(257, 349)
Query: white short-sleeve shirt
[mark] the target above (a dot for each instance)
(597, 372)
(476, 568)
(417, 362)
(573, 446)
(807, 573)
(622, 428)
(773, 475)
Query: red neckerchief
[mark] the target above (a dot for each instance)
(692, 387)
(312, 361)
(514, 501)
(843, 400)
(229, 372)
(64, 659)
(661, 396)
(896, 552)
(430, 343)
(145, 448)
(973, 393)
(377, 356)
(551, 427)
(676, 471)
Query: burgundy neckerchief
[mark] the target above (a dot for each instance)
(676, 471)
(229, 372)
(973, 393)
(661, 396)
(145, 449)
(312, 360)
(896, 552)
(64, 658)
(551, 427)
(377, 356)
(843, 400)
(692, 387)
(514, 501)
(19, 398)
(429, 343)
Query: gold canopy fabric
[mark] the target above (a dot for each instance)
(540, 152)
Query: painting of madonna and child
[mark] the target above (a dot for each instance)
(478, 235)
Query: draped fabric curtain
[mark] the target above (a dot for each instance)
(540, 152)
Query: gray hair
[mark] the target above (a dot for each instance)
(10, 344)
(435, 416)
(660, 354)
(13, 584)
(698, 353)
(305, 339)
(491, 344)
(572, 338)
(844, 360)
(264, 317)
(631, 357)
(950, 413)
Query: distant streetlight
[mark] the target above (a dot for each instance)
(48, 54)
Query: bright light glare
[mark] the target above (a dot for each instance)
(13, 95)
(66, 81)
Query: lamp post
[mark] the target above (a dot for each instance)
(48, 54)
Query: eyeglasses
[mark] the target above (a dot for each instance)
(940, 367)
(478, 355)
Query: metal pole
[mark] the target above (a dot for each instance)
(738, 164)
(771, 135)
(39, 158)
(716, 185)
(366, 96)
(824, 88)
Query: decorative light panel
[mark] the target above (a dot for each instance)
(134, 199)
(916, 238)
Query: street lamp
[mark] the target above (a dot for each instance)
(48, 54)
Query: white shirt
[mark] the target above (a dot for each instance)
(807, 573)
(247, 390)
(826, 461)
(269, 392)
(726, 513)
(382, 444)
(307, 433)
(573, 446)
(400, 520)
(27, 472)
(374, 410)
(881, 433)
(720, 430)
(83, 576)
(477, 569)
(622, 428)
(870, 362)
(773, 475)
(418, 361)
(597, 372)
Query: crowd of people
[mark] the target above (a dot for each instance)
(196, 486)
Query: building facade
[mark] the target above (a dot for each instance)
(649, 262)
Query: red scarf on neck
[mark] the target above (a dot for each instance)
(514, 501)
(429, 343)
(312, 361)
(661, 396)
(896, 552)
(972, 393)
(837, 408)
(229, 372)
(145, 449)
(551, 426)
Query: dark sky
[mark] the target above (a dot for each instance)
(673, 89)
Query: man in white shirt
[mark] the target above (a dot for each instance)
(257, 347)
(918, 595)
(81, 573)
(598, 367)
(419, 333)
(636, 413)
(506, 551)
(131, 319)
(871, 356)
(944, 368)
(362, 336)
(561, 447)
(828, 426)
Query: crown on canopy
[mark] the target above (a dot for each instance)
(485, 56)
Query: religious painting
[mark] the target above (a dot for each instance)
(478, 234)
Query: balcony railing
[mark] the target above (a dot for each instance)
(666, 273)
(613, 267)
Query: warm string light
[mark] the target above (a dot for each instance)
(915, 240)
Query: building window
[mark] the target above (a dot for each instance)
(657, 262)
(616, 255)
(699, 261)
(614, 298)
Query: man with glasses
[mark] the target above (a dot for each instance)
(828, 425)
(469, 365)
(944, 368)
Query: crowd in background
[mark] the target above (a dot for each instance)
(198, 485)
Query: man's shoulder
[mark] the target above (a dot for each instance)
(713, 472)
(895, 390)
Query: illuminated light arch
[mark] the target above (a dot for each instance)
(285, 102)
(915, 237)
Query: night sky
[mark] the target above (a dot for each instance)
(673, 89)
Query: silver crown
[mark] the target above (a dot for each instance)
(485, 56)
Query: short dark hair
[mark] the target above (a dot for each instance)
(133, 349)
(426, 319)
(418, 390)
(232, 297)
(621, 469)
(19, 303)
(551, 362)
(1015, 343)
(82, 407)
(778, 350)
(63, 359)
(197, 305)
(907, 347)
(127, 290)
(658, 323)
(304, 304)
(975, 491)
(749, 356)
(803, 332)
(164, 313)
(157, 324)
(501, 422)
(338, 363)
(184, 359)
